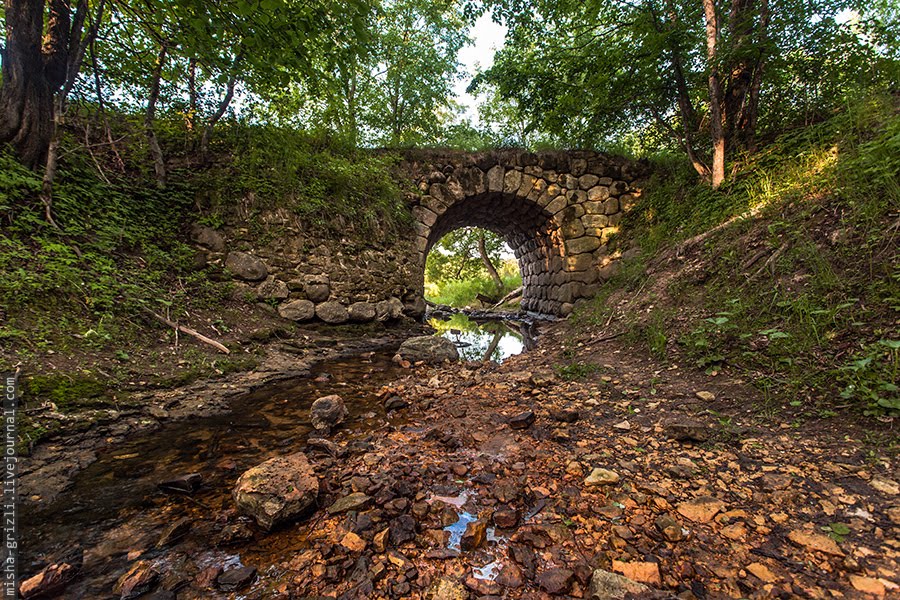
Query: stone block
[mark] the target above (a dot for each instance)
(598, 193)
(511, 181)
(495, 178)
(588, 181)
(582, 244)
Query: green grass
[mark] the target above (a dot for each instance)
(813, 321)
(461, 293)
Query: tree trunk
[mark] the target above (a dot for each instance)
(192, 94)
(31, 76)
(716, 130)
(75, 50)
(159, 162)
(482, 251)
(751, 115)
(220, 111)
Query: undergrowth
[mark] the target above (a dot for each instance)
(801, 291)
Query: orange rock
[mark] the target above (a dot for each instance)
(702, 509)
(353, 542)
(644, 572)
(869, 585)
(815, 541)
(762, 572)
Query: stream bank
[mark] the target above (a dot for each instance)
(659, 474)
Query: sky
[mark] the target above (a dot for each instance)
(487, 37)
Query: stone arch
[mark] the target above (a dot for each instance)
(529, 230)
(556, 210)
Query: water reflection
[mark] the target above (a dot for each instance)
(492, 340)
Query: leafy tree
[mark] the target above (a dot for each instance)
(397, 89)
(465, 253)
(709, 74)
(45, 44)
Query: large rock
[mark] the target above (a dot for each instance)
(208, 238)
(297, 310)
(361, 312)
(246, 266)
(272, 288)
(415, 308)
(612, 586)
(428, 348)
(327, 412)
(317, 288)
(278, 490)
(333, 313)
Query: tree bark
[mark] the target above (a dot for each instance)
(482, 251)
(220, 110)
(31, 75)
(751, 115)
(76, 46)
(716, 130)
(159, 162)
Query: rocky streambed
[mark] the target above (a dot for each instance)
(469, 479)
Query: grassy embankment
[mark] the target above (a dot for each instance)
(800, 291)
(74, 299)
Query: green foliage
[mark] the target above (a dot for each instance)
(116, 252)
(576, 370)
(67, 392)
(593, 73)
(872, 376)
(332, 186)
(462, 293)
(456, 255)
(806, 272)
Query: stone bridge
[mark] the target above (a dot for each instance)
(556, 210)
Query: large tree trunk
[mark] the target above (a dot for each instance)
(716, 130)
(159, 161)
(31, 76)
(482, 251)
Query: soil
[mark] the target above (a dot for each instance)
(675, 479)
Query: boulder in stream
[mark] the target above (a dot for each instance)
(327, 412)
(428, 348)
(278, 490)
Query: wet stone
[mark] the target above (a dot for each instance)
(175, 532)
(234, 533)
(236, 579)
(354, 501)
(138, 580)
(395, 403)
(506, 518)
(522, 420)
(483, 587)
(53, 578)
(556, 581)
(474, 536)
(186, 484)
(328, 412)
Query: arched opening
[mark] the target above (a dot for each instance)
(470, 267)
(531, 235)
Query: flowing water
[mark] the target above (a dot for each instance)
(114, 507)
(115, 511)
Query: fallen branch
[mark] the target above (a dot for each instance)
(191, 332)
(689, 243)
(508, 297)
